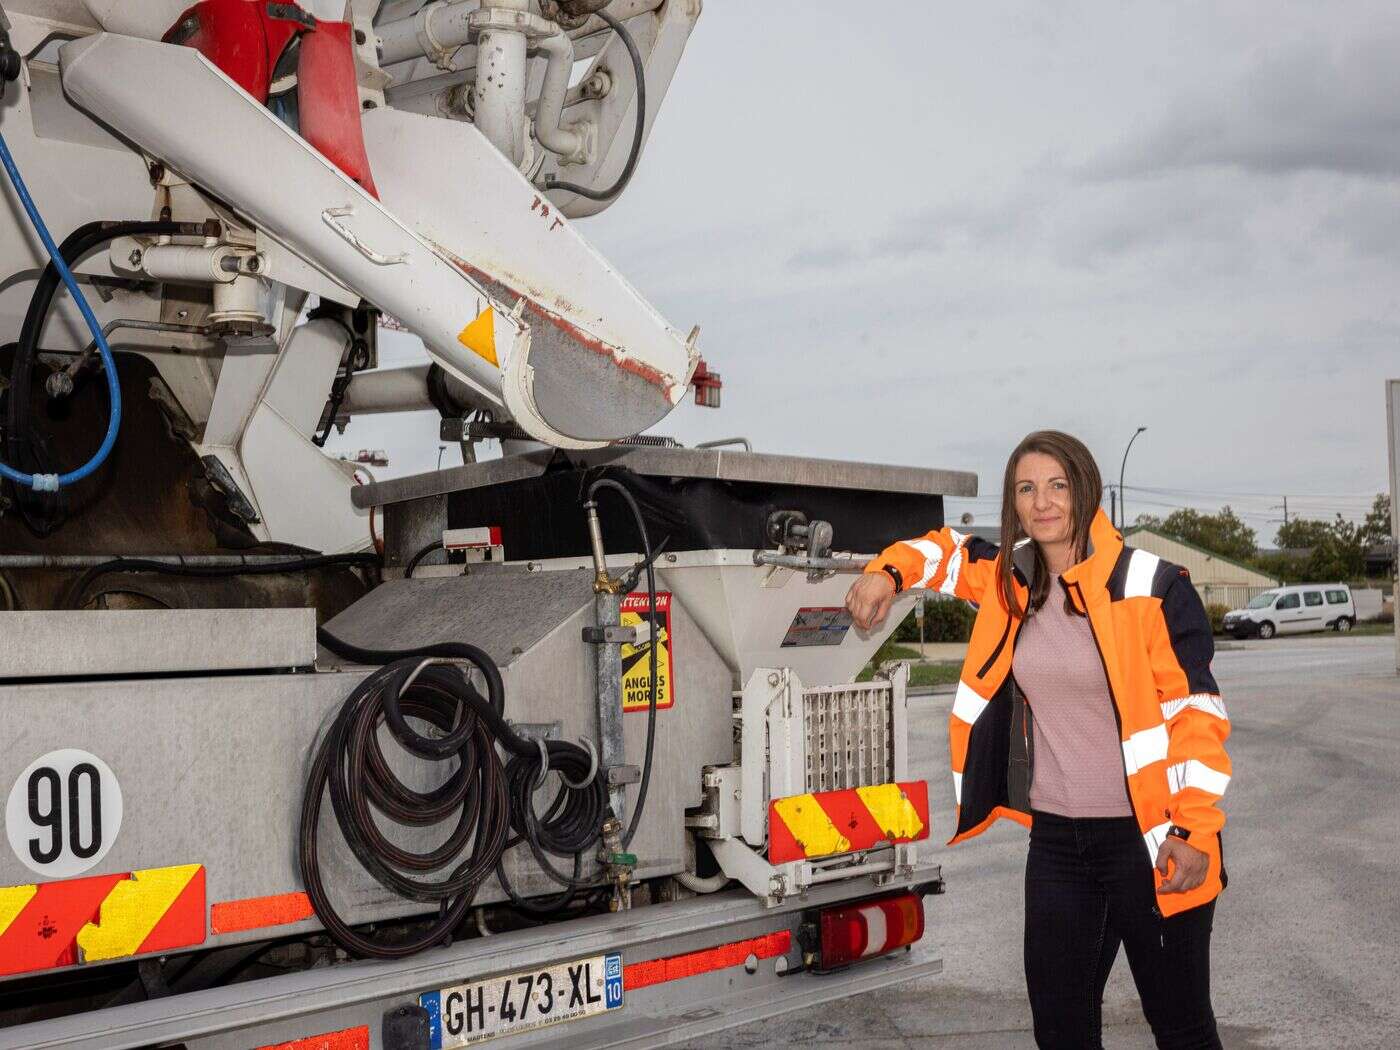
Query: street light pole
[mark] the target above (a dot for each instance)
(1122, 495)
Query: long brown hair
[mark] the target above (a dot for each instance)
(1086, 493)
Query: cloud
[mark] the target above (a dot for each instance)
(1307, 106)
(1366, 221)
(825, 256)
(965, 224)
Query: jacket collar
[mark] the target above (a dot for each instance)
(1105, 545)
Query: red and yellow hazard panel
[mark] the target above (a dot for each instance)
(825, 823)
(103, 917)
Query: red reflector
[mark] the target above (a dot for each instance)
(254, 913)
(345, 1039)
(863, 931)
(678, 967)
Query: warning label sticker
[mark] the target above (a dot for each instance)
(817, 626)
(636, 659)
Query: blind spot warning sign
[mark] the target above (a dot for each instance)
(636, 659)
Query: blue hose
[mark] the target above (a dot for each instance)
(53, 482)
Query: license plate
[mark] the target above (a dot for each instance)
(473, 1013)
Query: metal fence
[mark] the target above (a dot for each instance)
(1230, 595)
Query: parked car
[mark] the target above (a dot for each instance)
(1294, 610)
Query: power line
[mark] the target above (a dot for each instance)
(1250, 495)
(1316, 498)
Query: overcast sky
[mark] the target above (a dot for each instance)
(914, 236)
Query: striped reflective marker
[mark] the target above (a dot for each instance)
(826, 823)
(148, 912)
(810, 825)
(53, 924)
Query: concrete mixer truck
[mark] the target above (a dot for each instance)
(564, 747)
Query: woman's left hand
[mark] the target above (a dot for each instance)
(1190, 864)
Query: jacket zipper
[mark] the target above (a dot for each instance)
(1005, 634)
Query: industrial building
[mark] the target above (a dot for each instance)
(1217, 578)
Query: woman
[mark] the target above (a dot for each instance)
(1086, 710)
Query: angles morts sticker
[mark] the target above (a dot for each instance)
(636, 659)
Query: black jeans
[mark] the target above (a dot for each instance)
(1089, 888)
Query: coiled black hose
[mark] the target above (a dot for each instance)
(494, 801)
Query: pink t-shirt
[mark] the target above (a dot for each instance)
(1077, 752)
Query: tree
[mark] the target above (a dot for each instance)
(1221, 533)
(1330, 550)
(1302, 533)
(1341, 555)
(1376, 528)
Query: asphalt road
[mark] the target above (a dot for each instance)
(1306, 951)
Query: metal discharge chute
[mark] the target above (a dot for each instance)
(499, 322)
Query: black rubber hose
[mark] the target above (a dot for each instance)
(639, 75)
(24, 450)
(494, 801)
(320, 561)
(350, 763)
(77, 244)
(436, 545)
(630, 500)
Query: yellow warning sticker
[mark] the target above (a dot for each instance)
(636, 659)
(480, 336)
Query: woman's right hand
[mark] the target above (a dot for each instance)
(869, 599)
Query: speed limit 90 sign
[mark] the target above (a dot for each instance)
(63, 813)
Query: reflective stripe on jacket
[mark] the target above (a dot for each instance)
(1155, 640)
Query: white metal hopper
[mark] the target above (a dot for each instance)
(754, 615)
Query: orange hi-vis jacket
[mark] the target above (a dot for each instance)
(1155, 640)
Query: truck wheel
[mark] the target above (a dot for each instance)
(1343, 624)
(1266, 630)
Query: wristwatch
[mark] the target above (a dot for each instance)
(1180, 833)
(894, 575)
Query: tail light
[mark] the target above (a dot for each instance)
(863, 931)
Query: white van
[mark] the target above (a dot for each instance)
(1293, 610)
